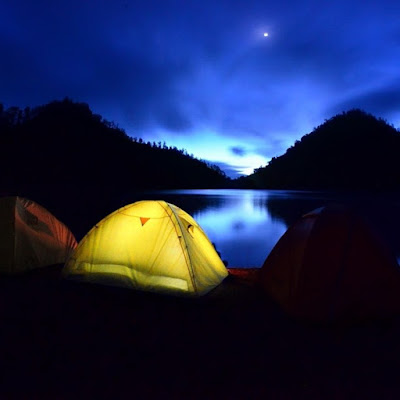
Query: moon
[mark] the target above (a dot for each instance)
(265, 34)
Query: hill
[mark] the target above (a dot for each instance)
(63, 142)
(352, 150)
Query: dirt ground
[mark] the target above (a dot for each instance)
(63, 340)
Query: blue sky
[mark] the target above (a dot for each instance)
(200, 75)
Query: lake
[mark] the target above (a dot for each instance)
(245, 225)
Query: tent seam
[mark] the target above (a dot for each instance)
(184, 250)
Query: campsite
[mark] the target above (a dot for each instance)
(281, 300)
(117, 283)
(67, 338)
(199, 200)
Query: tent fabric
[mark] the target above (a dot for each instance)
(330, 266)
(31, 237)
(148, 245)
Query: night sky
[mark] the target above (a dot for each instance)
(201, 75)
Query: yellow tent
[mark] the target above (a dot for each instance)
(31, 237)
(148, 245)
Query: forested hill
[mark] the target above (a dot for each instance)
(352, 150)
(64, 143)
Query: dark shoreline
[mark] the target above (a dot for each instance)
(66, 340)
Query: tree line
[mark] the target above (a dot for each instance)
(64, 142)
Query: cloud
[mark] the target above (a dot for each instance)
(382, 101)
(120, 68)
(238, 151)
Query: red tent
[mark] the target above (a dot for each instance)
(330, 265)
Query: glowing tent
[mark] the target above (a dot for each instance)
(148, 245)
(31, 237)
(331, 266)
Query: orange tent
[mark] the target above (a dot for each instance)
(331, 266)
(31, 237)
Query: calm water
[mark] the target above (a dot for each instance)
(245, 225)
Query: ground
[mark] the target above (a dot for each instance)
(62, 340)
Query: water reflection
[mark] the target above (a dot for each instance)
(289, 206)
(246, 224)
(236, 221)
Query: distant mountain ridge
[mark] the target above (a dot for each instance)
(63, 142)
(352, 150)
